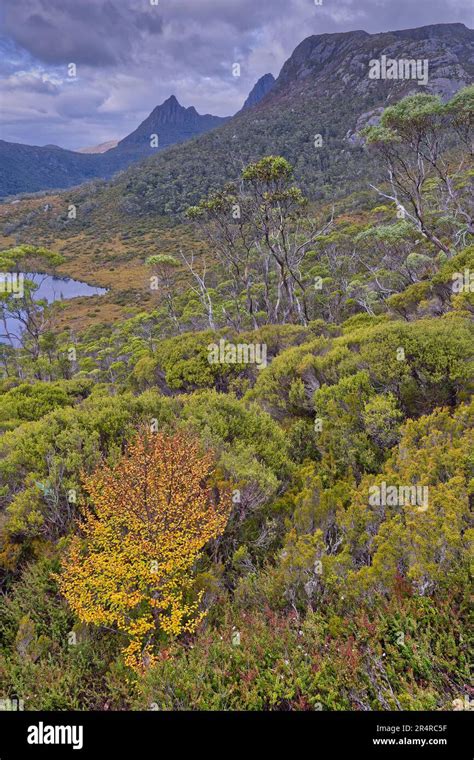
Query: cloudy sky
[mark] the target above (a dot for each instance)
(130, 55)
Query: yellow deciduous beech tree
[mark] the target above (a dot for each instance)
(153, 513)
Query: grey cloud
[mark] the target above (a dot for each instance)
(92, 32)
(31, 83)
(132, 55)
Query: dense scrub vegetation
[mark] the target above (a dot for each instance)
(177, 533)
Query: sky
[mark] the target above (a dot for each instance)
(130, 55)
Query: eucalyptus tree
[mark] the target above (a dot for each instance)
(260, 231)
(427, 148)
(25, 320)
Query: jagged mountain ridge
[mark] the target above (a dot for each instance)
(344, 58)
(323, 88)
(171, 123)
(29, 168)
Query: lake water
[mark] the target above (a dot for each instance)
(51, 289)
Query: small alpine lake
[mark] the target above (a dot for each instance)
(50, 288)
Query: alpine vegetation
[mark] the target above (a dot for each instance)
(236, 413)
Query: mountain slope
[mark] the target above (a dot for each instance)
(323, 89)
(30, 168)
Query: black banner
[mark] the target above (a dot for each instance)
(370, 734)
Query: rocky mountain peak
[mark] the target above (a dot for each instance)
(260, 89)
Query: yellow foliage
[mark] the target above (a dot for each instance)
(153, 514)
